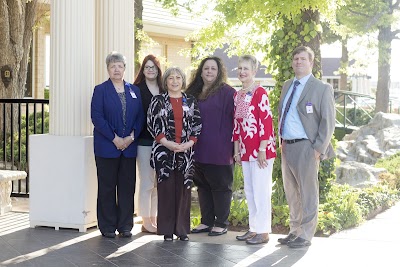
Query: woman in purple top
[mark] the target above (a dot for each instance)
(214, 148)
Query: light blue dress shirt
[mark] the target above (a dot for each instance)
(293, 127)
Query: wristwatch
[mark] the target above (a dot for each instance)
(132, 137)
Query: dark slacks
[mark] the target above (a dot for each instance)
(173, 206)
(116, 179)
(214, 186)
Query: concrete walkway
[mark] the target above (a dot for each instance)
(372, 244)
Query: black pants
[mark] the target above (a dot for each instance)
(116, 179)
(214, 186)
(173, 206)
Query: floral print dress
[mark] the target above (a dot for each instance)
(253, 123)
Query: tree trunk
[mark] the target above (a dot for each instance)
(138, 27)
(344, 65)
(385, 48)
(312, 16)
(17, 18)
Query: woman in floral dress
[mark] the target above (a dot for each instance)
(254, 142)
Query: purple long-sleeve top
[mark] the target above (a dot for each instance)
(214, 145)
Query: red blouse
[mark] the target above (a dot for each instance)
(178, 119)
(253, 123)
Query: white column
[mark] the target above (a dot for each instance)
(114, 32)
(72, 62)
(63, 183)
(63, 180)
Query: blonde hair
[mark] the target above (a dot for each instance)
(249, 58)
(168, 72)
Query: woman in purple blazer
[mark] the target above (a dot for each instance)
(118, 118)
(214, 148)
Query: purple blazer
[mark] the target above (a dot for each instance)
(214, 145)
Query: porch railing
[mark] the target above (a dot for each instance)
(354, 109)
(20, 118)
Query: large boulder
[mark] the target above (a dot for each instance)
(360, 150)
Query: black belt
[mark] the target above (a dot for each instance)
(294, 141)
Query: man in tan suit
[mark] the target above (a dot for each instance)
(306, 125)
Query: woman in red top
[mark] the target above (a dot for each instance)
(173, 119)
(254, 139)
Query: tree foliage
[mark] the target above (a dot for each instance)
(138, 27)
(270, 30)
(371, 16)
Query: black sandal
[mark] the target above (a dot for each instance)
(168, 237)
(184, 238)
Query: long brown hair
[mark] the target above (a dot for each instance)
(140, 77)
(196, 85)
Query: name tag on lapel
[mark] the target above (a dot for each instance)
(309, 108)
(133, 95)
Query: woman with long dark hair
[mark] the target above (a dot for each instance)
(214, 148)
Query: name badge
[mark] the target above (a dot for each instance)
(309, 108)
(247, 99)
(133, 95)
(185, 108)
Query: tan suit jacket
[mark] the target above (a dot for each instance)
(320, 124)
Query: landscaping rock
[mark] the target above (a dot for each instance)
(360, 150)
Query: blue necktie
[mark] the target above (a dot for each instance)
(289, 102)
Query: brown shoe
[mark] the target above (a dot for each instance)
(258, 239)
(246, 236)
(144, 230)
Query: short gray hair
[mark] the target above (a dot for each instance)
(115, 56)
(171, 70)
(249, 58)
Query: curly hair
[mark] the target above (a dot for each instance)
(140, 76)
(196, 85)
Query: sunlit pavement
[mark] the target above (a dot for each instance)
(375, 243)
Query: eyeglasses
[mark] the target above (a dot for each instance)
(150, 67)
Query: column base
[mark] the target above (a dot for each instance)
(63, 182)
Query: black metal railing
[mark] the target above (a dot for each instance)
(20, 118)
(354, 109)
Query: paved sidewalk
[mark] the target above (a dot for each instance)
(372, 244)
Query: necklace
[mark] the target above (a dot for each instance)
(247, 88)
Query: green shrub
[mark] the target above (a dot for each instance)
(340, 210)
(280, 215)
(355, 116)
(359, 117)
(195, 215)
(239, 214)
(392, 165)
(391, 180)
(21, 155)
(238, 180)
(46, 93)
(345, 207)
